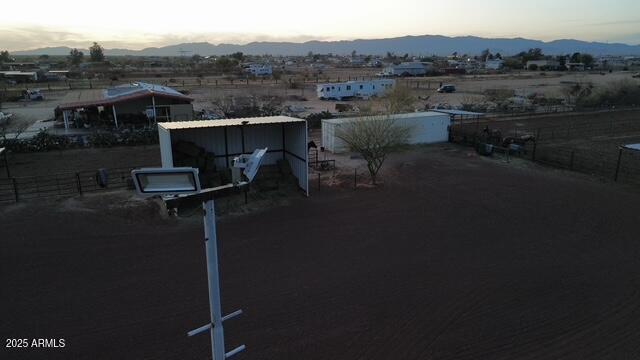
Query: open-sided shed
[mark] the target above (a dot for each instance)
(286, 138)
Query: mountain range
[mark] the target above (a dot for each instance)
(414, 45)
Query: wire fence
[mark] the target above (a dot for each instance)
(593, 149)
(17, 189)
(425, 83)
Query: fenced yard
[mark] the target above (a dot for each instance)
(591, 147)
(18, 189)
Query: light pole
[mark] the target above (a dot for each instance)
(181, 184)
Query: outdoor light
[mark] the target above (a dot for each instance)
(166, 181)
(184, 183)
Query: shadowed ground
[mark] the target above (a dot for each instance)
(455, 257)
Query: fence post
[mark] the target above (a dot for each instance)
(78, 183)
(355, 179)
(319, 182)
(533, 153)
(15, 188)
(615, 177)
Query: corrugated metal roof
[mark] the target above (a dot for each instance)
(458, 112)
(177, 125)
(395, 116)
(141, 88)
(118, 94)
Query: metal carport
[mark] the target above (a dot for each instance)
(286, 138)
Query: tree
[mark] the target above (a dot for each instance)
(96, 52)
(562, 62)
(575, 58)
(398, 100)
(531, 54)
(374, 137)
(43, 57)
(226, 64)
(353, 54)
(586, 59)
(5, 56)
(196, 58)
(498, 56)
(238, 56)
(75, 56)
(485, 55)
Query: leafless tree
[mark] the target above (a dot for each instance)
(398, 100)
(374, 137)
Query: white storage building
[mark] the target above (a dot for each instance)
(408, 69)
(354, 89)
(286, 138)
(426, 128)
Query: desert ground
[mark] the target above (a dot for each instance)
(455, 256)
(470, 88)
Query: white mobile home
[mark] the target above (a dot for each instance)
(354, 89)
(286, 138)
(426, 128)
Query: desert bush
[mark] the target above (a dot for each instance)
(619, 93)
(374, 137)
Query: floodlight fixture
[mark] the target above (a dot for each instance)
(166, 181)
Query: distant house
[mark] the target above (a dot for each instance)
(543, 65)
(357, 61)
(137, 103)
(354, 89)
(575, 66)
(20, 76)
(495, 64)
(259, 69)
(408, 69)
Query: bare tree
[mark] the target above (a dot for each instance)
(398, 100)
(374, 137)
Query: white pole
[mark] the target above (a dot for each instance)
(65, 116)
(211, 244)
(115, 117)
(153, 101)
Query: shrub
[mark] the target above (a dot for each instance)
(620, 93)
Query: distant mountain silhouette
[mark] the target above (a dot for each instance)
(414, 45)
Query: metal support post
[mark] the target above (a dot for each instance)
(215, 307)
(213, 276)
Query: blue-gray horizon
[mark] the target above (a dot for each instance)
(138, 25)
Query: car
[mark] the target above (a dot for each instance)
(33, 95)
(447, 89)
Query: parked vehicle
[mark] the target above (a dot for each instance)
(447, 89)
(33, 95)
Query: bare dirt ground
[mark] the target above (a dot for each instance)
(28, 112)
(455, 257)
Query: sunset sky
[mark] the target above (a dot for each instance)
(138, 24)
